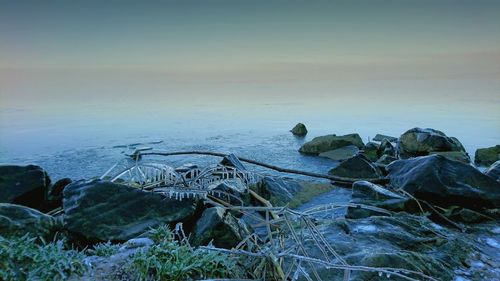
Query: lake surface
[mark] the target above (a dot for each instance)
(71, 124)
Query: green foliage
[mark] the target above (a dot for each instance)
(27, 258)
(103, 249)
(161, 233)
(175, 261)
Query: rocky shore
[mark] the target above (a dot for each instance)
(420, 209)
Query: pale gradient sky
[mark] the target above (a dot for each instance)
(256, 39)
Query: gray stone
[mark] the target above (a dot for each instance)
(380, 137)
(105, 211)
(494, 171)
(386, 148)
(357, 167)
(17, 220)
(24, 185)
(487, 156)
(231, 160)
(342, 153)
(330, 142)
(445, 182)
(370, 150)
(218, 226)
(420, 142)
(299, 130)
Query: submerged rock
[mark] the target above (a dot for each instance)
(445, 182)
(487, 156)
(357, 167)
(494, 171)
(24, 185)
(330, 142)
(299, 130)
(380, 137)
(420, 142)
(219, 226)
(17, 220)
(102, 211)
(342, 153)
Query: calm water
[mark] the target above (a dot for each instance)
(71, 124)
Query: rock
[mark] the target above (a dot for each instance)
(380, 138)
(398, 241)
(330, 142)
(17, 220)
(218, 225)
(357, 167)
(385, 160)
(458, 214)
(445, 182)
(420, 142)
(139, 242)
(494, 171)
(282, 191)
(370, 150)
(299, 130)
(487, 156)
(24, 185)
(55, 194)
(104, 211)
(367, 193)
(233, 191)
(342, 153)
(231, 160)
(454, 155)
(386, 148)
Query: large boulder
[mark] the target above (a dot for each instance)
(357, 167)
(231, 160)
(494, 171)
(330, 142)
(461, 156)
(342, 153)
(101, 211)
(24, 185)
(487, 156)
(17, 220)
(218, 226)
(420, 142)
(299, 130)
(444, 182)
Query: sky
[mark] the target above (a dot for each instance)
(256, 40)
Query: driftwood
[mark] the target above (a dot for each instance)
(336, 179)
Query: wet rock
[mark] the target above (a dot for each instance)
(380, 138)
(398, 241)
(386, 148)
(342, 153)
(231, 160)
(370, 150)
(367, 193)
(357, 167)
(494, 171)
(55, 194)
(283, 191)
(24, 185)
(386, 160)
(233, 191)
(420, 142)
(330, 142)
(487, 156)
(101, 211)
(458, 214)
(299, 130)
(220, 227)
(454, 155)
(17, 220)
(445, 182)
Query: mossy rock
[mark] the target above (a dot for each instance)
(330, 142)
(487, 156)
(299, 130)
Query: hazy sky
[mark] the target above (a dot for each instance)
(256, 39)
